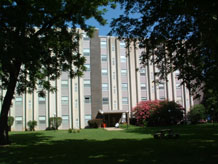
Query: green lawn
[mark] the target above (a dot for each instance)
(197, 144)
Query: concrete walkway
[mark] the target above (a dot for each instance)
(113, 129)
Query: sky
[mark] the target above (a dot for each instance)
(109, 15)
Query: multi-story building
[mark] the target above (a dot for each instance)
(114, 82)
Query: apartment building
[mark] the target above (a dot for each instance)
(114, 82)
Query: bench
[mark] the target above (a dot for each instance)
(166, 133)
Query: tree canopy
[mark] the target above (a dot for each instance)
(39, 40)
(181, 34)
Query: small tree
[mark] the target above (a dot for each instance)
(197, 113)
(32, 125)
(55, 122)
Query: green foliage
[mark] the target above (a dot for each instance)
(55, 122)
(32, 125)
(70, 130)
(197, 113)
(181, 34)
(168, 113)
(37, 45)
(210, 101)
(95, 123)
(50, 128)
(10, 121)
(48, 45)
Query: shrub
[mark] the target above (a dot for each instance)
(76, 131)
(50, 128)
(95, 123)
(167, 113)
(144, 109)
(10, 122)
(70, 130)
(133, 121)
(32, 125)
(55, 122)
(196, 113)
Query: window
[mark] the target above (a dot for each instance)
(103, 57)
(161, 86)
(76, 87)
(103, 43)
(177, 72)
(40, 86)
(19, 120)
(76, 103)
(162, 98)
(87, 99)
(86, 83)
(19, 100)
(125, 100)
(122, 45)
(86, 52)
(152, 76)
(142, 72)
(105, 100)
(178, 86)
(87, 67)
(114, 75)
(64, 83)
(123, 59)
(113, 61)
(124, 86)
(143, 86)
(104, 71)
(144, 98)
(105, 87)
(115, 104)
(41, 100)
(87, 118)
(65, 119)
(64, 100)
(123, 72)
(85, 37)
(114, 89)
(113, 48)
(42, 120)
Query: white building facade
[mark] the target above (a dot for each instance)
(114, 81)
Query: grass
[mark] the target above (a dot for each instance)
(197, 144)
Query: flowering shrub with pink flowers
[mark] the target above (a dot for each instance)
(158, 113)
(143, 110)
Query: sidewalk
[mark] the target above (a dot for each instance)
(113, 129)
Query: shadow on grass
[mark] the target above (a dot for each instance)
(28, 138)
(43, 149)
(203, 131)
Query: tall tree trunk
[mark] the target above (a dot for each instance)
(6, 105)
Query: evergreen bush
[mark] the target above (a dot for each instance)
(95, 123)
(32, 125)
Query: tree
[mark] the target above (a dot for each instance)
(181, 34)
(36, 44)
